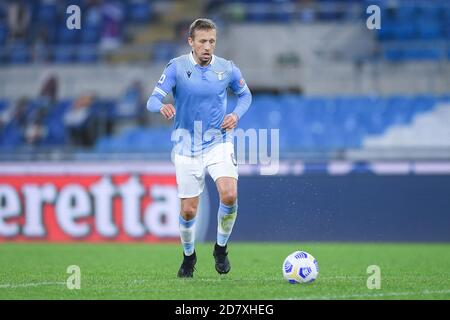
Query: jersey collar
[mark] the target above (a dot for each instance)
(191, 58)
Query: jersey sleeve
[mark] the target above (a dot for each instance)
(164, 85)
(240, 88)
(237, 82)
(167, 80)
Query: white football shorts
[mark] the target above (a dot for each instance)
(220, 161)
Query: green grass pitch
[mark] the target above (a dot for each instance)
(148, 271)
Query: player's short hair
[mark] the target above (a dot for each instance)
(201, 24)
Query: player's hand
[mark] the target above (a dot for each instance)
(168, 111)
(230, 121)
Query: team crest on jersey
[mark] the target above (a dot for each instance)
(219, 74)
(188, 74)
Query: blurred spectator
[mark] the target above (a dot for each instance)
(36, 130)
(48, 95)
(79, 121)
(13, 122)
(112, 24)
(45, 101)
(93, 14)
(16, 114)
(40, 45)
(18, 19)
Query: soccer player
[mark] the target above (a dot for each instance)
(202, 137)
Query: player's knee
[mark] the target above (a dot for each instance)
(228, 198)
(188, 212)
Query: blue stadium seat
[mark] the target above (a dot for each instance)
(80, 3)
(11, 136)
(404, 31)
(87, 54)
(431, 10)
(163, 51)
(90, 34)
(388, 31)
(316, 123)
(56, 133)
(430, 29)
(423, 54)
(406, 13)
(104, 144)
(282, 12)
(258, 12)
(19, 53)
(63, 54)
(3, 105)
(47, 12)
(3, 33)
(49, 29)
(139, 11)
(137, 140)
(393, 54)
(419, 21)
(67, 36)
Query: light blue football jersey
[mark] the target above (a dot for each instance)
(200, 95)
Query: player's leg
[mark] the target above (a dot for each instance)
(224, 172)
(190, 181)
(226, 216)
(188, 212)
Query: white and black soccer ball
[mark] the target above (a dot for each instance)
(300, 267)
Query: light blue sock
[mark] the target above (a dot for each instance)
(187, 235)
(226, 217)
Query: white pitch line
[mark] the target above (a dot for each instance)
(276, 279)
(368, 295)
(33, 284)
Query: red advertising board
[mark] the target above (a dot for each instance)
(69, 206)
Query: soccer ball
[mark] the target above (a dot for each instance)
(300, 267)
